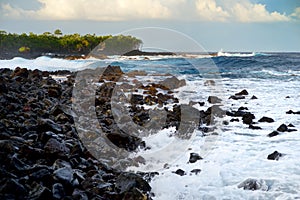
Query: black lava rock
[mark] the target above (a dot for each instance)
(274, 156)
(194, 157)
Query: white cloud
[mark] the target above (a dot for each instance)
(113, 10)
(248, 12)
(118, 10)
(241, 11)
(296, 13)
(208, 10)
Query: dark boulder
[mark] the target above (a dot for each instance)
(254, 127)
(180, 172)
(274, 156)
(173, 83)
(243, 92)
(248, 118)
(282, 128)
(214, 100)
(274, 133)
(266, 119)
(194, 157)
(236, 97)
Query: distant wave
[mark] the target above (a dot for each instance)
(227, 54)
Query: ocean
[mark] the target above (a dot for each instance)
(234, 152)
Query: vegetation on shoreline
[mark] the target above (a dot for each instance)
(69, 44)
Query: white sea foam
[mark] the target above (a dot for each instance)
(236, 154)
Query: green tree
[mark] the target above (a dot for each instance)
(57, 32)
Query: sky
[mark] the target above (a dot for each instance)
(231, 25)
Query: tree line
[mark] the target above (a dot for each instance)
(58, 43)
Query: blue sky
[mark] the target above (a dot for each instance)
(231, 25)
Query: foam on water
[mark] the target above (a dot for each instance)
(237, 152)
(241, 153)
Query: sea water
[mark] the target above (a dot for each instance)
(235, 152)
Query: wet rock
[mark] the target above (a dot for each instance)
(274, 133)
(43, 174)
(254, 97)
(180, 172)
(236, 97)
(58, 191)
(292, 112)
(243, 108)
(137, 99)
(38, 191)
(194, 157)
(248, 118)
(274, 156)
(243, 92)
(291, 125)
(196, 171)
(125, 141)
(48, 125)
(214, 100)
(266, 119)
(55, 148)
(64, 174)
(7, 147)
(12, 186)
(54, 90)
(253, 184)
(79, 195)
(254, 127)
(135, 194)
(127, 181)
(112, 73)
(234, 120)
(282, 128)
(173, 83)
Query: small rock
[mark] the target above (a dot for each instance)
(253, 184)
(254, 97)
(235, 97)
(79, 194)
(64, 174)
(282, 128)
(243, 92)
(254, 127)
(266, 119)
(194, 157)
(58, 191)
(54, 147)
(214, 99)
(274, 133)
(180, 172)
(234, 120)
(127, 181)
(173, 83)
(291, 125)
(274, 156)
(196, 171)
(243, 108)
(248, 118)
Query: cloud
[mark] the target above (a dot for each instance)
(248, 12)
(241, 11)
(113, 10)
(122, 10)
(296, 13)
(208, 10)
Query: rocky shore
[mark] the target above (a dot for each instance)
(42, 156)
(43, 153)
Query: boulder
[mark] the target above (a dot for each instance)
(194, 157)
(214, 100)
(274, 156)
(266, 119)
(243, 92)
